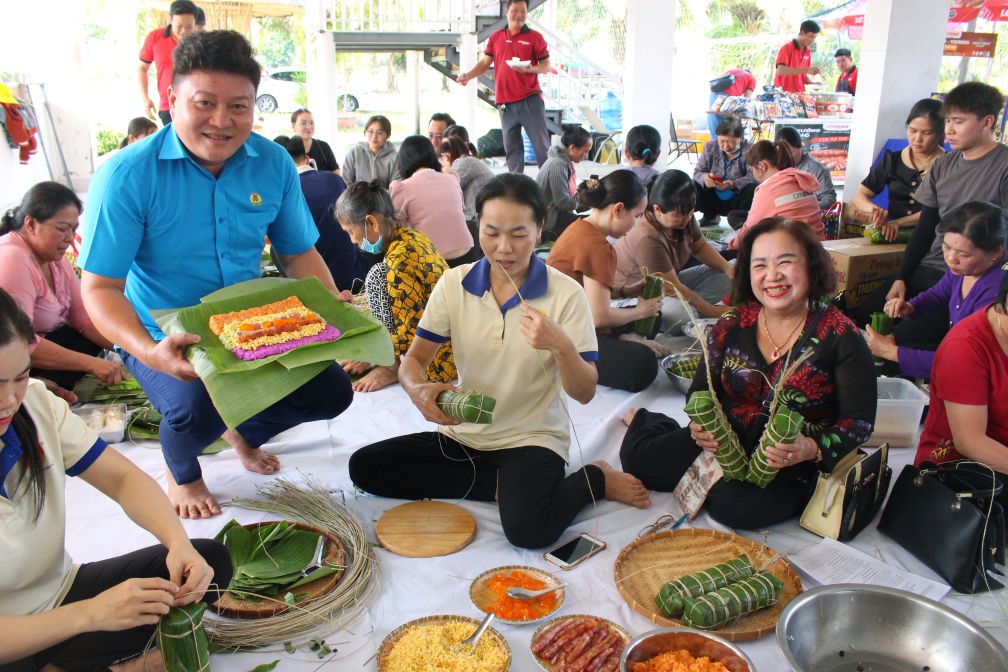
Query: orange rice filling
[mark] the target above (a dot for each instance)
(680, 660)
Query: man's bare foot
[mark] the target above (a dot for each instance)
(149, 662)
(376, 378)
(255, 460)
(629, 416)
(191, 500)
(623, 487)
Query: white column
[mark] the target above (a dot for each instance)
(900, 59)
(413, 77)
(650, 47)
(467, 61)
(320, 71)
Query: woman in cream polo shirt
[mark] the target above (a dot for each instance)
(54, 613)
(525, 349)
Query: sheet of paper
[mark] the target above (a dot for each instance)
(831, 561)
(691, 492)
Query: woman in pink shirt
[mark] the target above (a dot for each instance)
(784, 191)
(36, 273)
(431, 201)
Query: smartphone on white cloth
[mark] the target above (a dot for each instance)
(577, 550)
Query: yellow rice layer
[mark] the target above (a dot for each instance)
(229, 335)
(257, 314)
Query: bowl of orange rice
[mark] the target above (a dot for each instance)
(488, 592)
(681, 650)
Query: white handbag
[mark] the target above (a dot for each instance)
(847, 499)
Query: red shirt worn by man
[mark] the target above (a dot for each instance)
(793, 55)
(847, 81)
(157, 48)
(744, 81)
(525, 45)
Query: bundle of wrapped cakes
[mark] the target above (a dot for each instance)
(271, 329)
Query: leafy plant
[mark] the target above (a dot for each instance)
(107, 140)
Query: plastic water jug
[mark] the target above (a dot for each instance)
(530, 156)
(610, 112)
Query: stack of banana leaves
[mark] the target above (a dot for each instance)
(269, 560)
(90, 390)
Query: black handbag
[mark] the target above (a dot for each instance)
(846, 500)
(722, 83)
(947, 516)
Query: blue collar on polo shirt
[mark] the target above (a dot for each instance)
(477, 281)
(172, 148)
(9, 455)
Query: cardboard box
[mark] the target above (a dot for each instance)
(853, 221)
(862, 267)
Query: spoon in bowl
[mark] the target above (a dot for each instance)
(526, 594)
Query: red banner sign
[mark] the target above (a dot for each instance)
(973, 45)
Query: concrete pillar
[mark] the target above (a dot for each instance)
(413, 79)
(468, 55)
(900, 60)
(650, 47)
(320, 71)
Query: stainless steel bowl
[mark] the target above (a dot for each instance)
(681, 383)
(696, 642)
(848, 627)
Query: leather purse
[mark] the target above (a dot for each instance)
(846, 500)
(947, 516)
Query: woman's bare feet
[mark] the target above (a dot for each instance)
(255, 460)
(149, 662)
(376, 378)
(623, 487)
(629, 416)
(191, 500)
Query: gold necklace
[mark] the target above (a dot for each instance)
(776, 353)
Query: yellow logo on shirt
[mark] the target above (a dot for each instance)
(255, 199)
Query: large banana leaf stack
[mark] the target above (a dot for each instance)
(240, 389)
(182, 640)
(268, 559)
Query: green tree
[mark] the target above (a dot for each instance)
(279, 41)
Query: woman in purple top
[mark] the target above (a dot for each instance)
(973, 245)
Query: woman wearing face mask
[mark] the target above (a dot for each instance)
(583, 251)
(398, 286)
(973, 247)
(517, 328)
(724, 182)
(35, 271)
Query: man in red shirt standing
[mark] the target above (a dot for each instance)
(794, 60)
(516, 87)
(157, 48)
(847, 81)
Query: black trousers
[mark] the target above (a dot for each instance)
(537, 501)
(659, 452)
(165, 116)
(71, 339)
(98, 650)
(711, 206)
(625, 365)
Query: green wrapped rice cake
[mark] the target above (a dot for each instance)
(722, 606)
(670, 598)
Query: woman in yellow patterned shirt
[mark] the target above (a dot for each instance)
(398, 286)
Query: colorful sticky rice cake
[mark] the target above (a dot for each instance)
(271, 329)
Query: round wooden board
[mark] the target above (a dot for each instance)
(425, 529)
(551, 667)
(482, 597)
(385, 650)
(334, 555)
(644, 566)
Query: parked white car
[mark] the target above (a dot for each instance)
(281, 88)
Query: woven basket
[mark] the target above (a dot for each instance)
(644, 566)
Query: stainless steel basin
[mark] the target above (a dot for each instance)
(860, 628)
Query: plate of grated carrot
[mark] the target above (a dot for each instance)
(488, 592)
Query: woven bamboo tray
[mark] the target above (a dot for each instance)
(390, 640)
(551, 667)
(482, 597)
(644, 566)
(334, 555)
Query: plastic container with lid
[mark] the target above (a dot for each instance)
(898, 415)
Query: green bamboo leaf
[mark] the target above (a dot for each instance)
(266, 667)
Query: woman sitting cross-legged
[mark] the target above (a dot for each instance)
(399, 286)
(54, 614)
(521, 333)
(968, 415)
(781, 275)
(973, 246)
(617, 201)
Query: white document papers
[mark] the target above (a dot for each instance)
(831, 561)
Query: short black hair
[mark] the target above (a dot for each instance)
(200, 16)
(620, 186)
(511, 2)
(930, 109)
(809, 26)
(295, 147)
(789, 135)
(442, 116)
(183, 7)
(517, 188)
(975, 98)
(672, 191)
(415, 152)
(382, 121)
(821, 275)
(841, 52)
(730, 127)
(574, 136)
(979, 222)
(215, 51)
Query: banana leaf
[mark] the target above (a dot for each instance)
(239, 395)
(653, 287)
(705, 410)
(882, 323)
(182, 640)
(712, 610)
(783, 427)
(874, 234)
(671, 597)
(467, 406)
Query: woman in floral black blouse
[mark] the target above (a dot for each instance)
(782, 269)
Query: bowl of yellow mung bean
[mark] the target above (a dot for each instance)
(430, 644)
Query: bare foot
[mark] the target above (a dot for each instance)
(149, 662)
(376, 378)
(255, 460)
(629, 416)
(192, 500)
(623, 487)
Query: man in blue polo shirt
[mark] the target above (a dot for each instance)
(182, 215)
